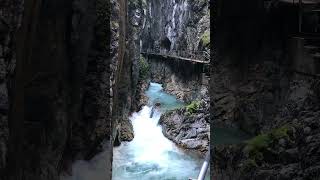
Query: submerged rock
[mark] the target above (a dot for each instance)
(142, 168)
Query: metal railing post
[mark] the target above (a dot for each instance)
(204, 167)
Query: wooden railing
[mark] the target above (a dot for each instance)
(196, 56)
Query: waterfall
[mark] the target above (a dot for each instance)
(176, 26)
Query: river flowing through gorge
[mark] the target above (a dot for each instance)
(150, 155)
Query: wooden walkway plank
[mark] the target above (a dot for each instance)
(176, 57)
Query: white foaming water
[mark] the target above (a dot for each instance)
(150, 141)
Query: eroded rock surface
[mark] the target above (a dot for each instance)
(188, 126)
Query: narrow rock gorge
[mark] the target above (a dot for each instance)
(170, 48)
(140, 89)
(73, 73)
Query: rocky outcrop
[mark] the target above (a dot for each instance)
(288, 151)
(182, 79)
(189, 126)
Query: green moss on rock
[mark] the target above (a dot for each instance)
(257, 144)
(205, 38)
(144, 68)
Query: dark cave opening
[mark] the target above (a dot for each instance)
(166, 43)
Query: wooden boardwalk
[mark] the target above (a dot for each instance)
(196, 57)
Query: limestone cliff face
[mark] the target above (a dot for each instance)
(254, 86)
(182, 22)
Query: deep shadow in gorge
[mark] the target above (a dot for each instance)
(58, 95)
(264, 81)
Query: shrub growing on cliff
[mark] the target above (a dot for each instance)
(259, 144)
(193, 107)
(144, 68)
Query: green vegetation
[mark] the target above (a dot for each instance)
(193, 107)
(144, 68)
(281, 132)
(205, 38)
(256, 146)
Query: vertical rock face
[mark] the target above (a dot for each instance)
(90, 77)
(40, 112)
(182, 23)
(254, 87)
(60, 96)
(66, 88)
(126, 24)
(250, 76)
(10, 19)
